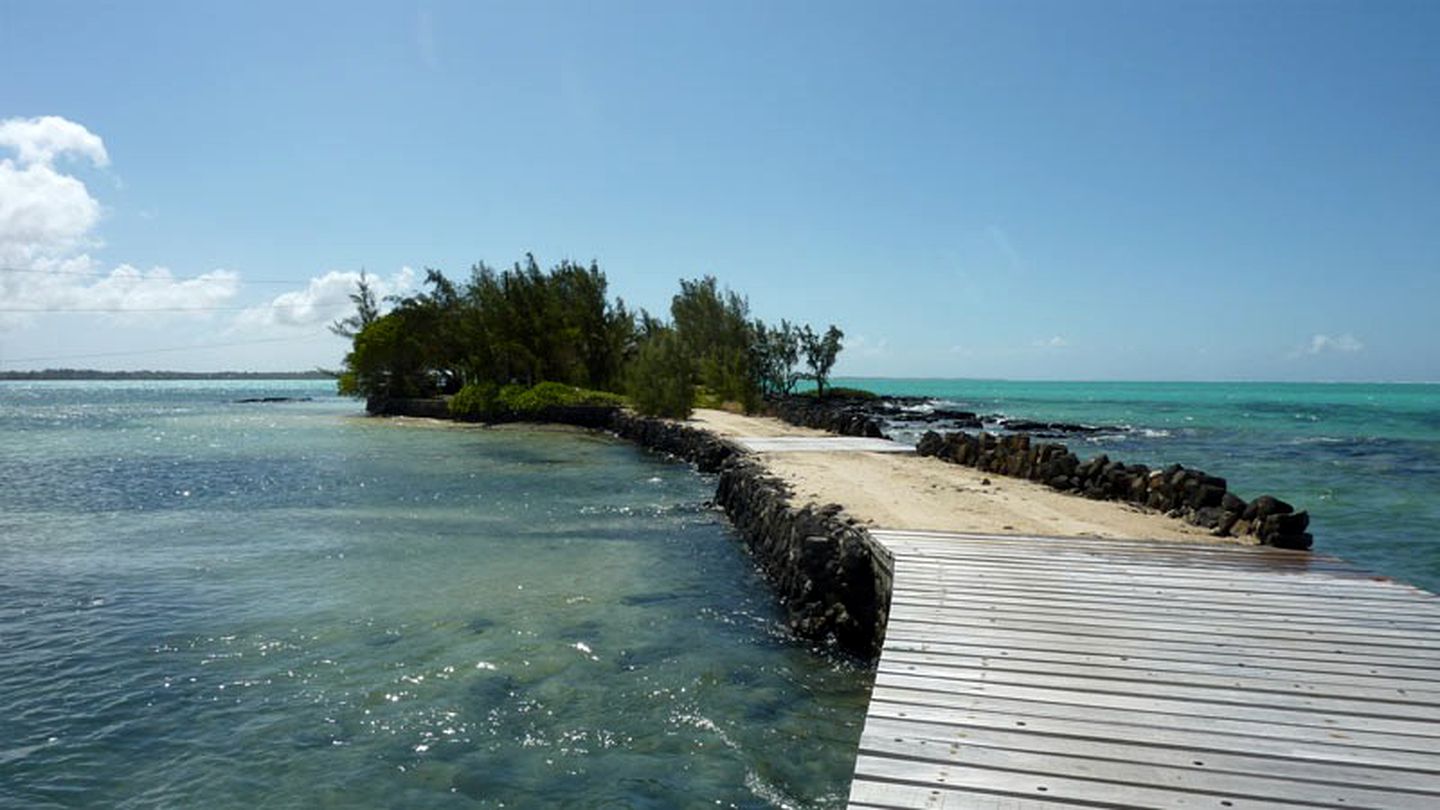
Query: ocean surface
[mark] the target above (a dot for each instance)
(221, 604)
(1364, 459)
(205, 603)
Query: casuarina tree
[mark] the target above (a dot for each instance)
(820, 354)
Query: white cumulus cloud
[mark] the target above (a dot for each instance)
(44, 215)
(48, 222)
(39, 141)
(1346, 343)
(324, 300)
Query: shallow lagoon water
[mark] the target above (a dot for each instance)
(286, 605)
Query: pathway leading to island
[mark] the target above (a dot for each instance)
(1055, 672)
(1030, 670)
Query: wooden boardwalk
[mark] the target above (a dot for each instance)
(821, 444)
(1048, 672)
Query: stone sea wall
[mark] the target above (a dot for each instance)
(1190, 495)
(847, 418)
(833, 579)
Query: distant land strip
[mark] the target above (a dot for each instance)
(94, 374)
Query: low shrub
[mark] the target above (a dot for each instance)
(489, 402)
(841, 393)
(474, 401)
(524, 401)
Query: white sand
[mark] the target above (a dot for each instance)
(892, 491)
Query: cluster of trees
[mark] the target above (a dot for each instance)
(517, 326)
(525, 326)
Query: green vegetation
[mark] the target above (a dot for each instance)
(488, 402)
(820, 354)
(841, 392)
(513, 343)
(660, 378)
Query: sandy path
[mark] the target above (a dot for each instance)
(893, 491)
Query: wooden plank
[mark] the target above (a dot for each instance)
(1239, 557)
(1407, 768)
(1206, 623)
(1027, 705)
(1228, 694)
(1160, 577)
(1217, 547)
(1080, 692)
(1381, 597)
(865, 792)
(956, 625)
(1144, 599)
(820, 444)
(1170, 650)
(1162, 608)
(1159, 670)
(1084, 765)
(1201, 764)
(1375, 691)
(1246, 574)
(957, 777)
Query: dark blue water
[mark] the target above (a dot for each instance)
(1364, 459)
(210, 604)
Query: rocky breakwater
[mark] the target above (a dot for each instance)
(879, 416)
(1191, 495)
(708, 452)
(833, 579)
(845, 416)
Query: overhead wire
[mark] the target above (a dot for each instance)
(142, 277)
(163, 350)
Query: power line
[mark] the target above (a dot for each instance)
(101, 274)
(122, 310)
(165, 350)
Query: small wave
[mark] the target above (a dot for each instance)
(768, 791)
(1308, 440)
(703, 723)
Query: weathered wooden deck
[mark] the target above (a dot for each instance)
(1046, 672)
(821, 444)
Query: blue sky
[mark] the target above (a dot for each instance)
(1056, 190)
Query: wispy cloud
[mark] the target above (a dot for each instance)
(1055, 342)
(1000, 238)
(1327, 344)
(861, 346)
(425, 40)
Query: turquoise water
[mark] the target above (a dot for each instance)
(1364, 459)
(211, 604)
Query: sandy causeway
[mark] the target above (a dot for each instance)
(898, 491)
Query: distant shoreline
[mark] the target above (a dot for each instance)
(93, 374)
